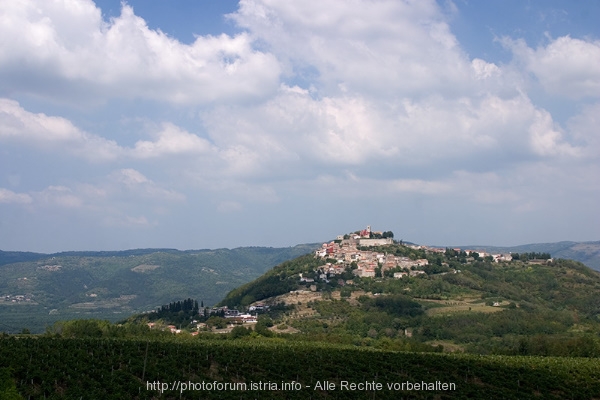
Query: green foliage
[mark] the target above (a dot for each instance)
(240, 331)
(180, 313)
(217, 322)
(8, 389)
(281, 279)
(118, 369)
(396, 305)
(263, 325)
(531, 256)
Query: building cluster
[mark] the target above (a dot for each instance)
(18, 298)
(233, 317)
(50, 267)
(345, 251)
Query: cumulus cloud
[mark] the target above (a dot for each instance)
(46, 45)
(43, 131)
(566, 66)
(409, 49)
(171, 140)
(299, 135)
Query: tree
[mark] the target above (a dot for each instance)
(8, 388)
(240, 331)
(217, 322)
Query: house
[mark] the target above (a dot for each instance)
(366, 273)
(247, 318)
(231, 313)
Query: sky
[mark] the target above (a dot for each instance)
(195, 124)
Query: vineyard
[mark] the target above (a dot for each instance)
(51, 367)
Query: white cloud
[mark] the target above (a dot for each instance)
(566, 66)
(484, 69)
(299, 136)
(408, 50)
(8, 196)
(40, 130)
(43, 131)
(47, 45)
(130, 177)
(171, 140)
(584, 130)
(546, 139)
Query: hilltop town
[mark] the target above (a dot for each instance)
(351, 250)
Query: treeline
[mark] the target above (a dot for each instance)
(178, 313)
(531, 256)
(186, 306)
(94, 328)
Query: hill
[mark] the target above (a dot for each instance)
(460, 301)
(38, 289)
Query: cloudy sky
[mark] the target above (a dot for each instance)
(201, 124)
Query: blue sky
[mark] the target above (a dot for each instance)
(206, 124)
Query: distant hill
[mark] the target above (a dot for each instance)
(587, 253)
(38, 289)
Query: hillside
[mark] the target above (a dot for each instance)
(439, 298)
(37, 289)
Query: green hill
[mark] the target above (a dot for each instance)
(516, 307)
(40, 289)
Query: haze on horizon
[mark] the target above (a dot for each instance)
(201, 124)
